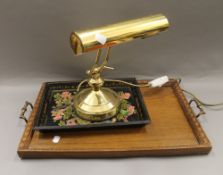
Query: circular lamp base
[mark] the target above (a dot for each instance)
(97, 105)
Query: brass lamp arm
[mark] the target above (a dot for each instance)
(98, 56)
(105, 61)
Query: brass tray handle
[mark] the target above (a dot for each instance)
(202, 112)
(195, 100)
(24, 109)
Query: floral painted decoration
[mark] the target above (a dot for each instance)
(64, 114)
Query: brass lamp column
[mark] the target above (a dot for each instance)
(98, 103)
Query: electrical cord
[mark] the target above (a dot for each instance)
(112, 80)
(131, 84)
(200, 102)
(80, 84)
(158, 83)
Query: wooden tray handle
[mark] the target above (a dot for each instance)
(24, 109)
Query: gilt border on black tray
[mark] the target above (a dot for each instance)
(45, 122)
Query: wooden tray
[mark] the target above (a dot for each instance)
(174, 130)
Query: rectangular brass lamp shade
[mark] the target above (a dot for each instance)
(85, 40)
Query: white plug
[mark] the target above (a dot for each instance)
(158, 82)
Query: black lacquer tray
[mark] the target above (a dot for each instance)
(50, 117)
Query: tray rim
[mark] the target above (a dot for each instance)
(145, 121)
(203, 147)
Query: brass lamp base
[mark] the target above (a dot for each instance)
(97, 105)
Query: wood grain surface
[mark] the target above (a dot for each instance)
(174, 130)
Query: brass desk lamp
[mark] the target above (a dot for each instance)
(98, 103)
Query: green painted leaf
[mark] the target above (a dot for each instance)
(124, 112)
(61, 123)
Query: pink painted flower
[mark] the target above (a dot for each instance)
(57, 117)
(125, 95)
(66, 94)
(71, 122)
(131, 110)
(58, 114)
